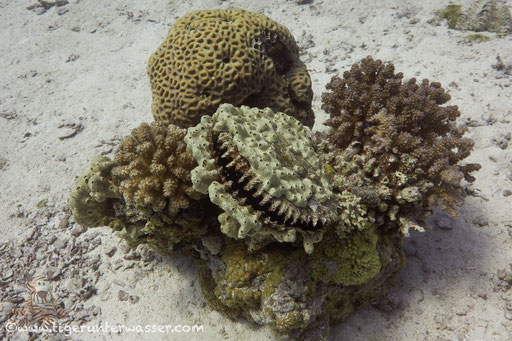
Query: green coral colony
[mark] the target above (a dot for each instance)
(291, 229)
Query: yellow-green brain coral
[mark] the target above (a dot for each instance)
(227, 56)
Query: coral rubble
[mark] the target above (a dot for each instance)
(232, 56)
(297, 294)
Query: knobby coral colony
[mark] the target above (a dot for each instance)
(393, 145)
(290, 230)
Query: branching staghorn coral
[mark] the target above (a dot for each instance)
(146, 193)
(393, 143)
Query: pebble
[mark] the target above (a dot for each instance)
(62, 11)
(52, 239)
(112, 250)
(134, 299)
(480, 219)
(119, 282)
(125, 248)
(508, 315)
(95, 310)
(443, 221)
(92, 235)
(87, 292)
(78, 230)
(93, 262)
(7, 274)
(147, 255)
(64, 222)
(123, 296)
(507, 193)
(60, 244)
(502, 140)
(52, 272)
(132, 255)
(94, 244)
(505, 275)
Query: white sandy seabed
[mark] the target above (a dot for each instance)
(73, 83)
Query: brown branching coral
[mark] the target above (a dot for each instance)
(154, 168)
(394, 141)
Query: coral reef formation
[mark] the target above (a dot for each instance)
(481, 16)
(232, 56)
(291, 230)
(393, 144)
(260, 167)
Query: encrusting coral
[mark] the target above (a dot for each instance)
(260, 167)
(232, 56)
(91, 200)
(298, 295)
(392, 143)
(153, 169)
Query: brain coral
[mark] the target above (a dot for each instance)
(153, 168)
(261, 169)
(393, 141)
(227, 56)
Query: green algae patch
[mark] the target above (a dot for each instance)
(476, 38)
(452, 14)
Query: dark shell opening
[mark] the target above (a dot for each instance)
(238, 184)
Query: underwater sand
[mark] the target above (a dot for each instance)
(73, 83)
